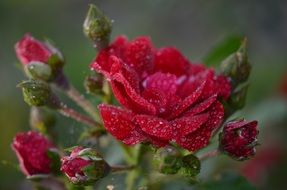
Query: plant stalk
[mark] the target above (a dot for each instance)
(69, 112)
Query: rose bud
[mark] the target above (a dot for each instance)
(167, 160)
(32, 150)
(237, 66)
(97, 27)
(190, 166)
(40, 60)
(39, 93)
(84, 166)
(94, 84)
(239, 139)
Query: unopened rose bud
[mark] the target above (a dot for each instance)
(167, 160)
(84, 166)
(38, 93)
(190, 166)
(97, 27)
(32, 151)
(94, 84)
(40, 60)
(239, 139)
(237, 66)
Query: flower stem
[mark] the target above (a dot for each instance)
(69, 112)
(209, 154)
(119, 168)
(63, 84)
(86, 105)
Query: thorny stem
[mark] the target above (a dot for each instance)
(209, 154)
(119, 168)
(86, 105)
(69, 112)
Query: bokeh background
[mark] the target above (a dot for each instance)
(203, 30)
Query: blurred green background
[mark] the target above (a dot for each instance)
(194, 27)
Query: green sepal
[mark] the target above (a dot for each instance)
(90, 154)
(236, 101)
(95, 171)
(237, 66)
(55, 158)
(70, 149)
(55, 62)
(38, 70)
(38, 177)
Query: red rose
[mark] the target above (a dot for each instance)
(239, 139)
(166, 98)
(31, 149)
(29, 49)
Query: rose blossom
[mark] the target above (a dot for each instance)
(165, 97)
(31, 149)
(239, 139)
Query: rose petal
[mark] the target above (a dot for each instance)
(117, 121)
(187, 102)
(125, 85)
(156, 98)
(187, 125)
(200, 138)
(154, 126)
(102, 63)
(139, 55)
(170, 60)
(135, 137)
(29, 49)
(202, 106)
(164, 82)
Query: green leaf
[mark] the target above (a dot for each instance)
(226, 181)
(222, 50)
